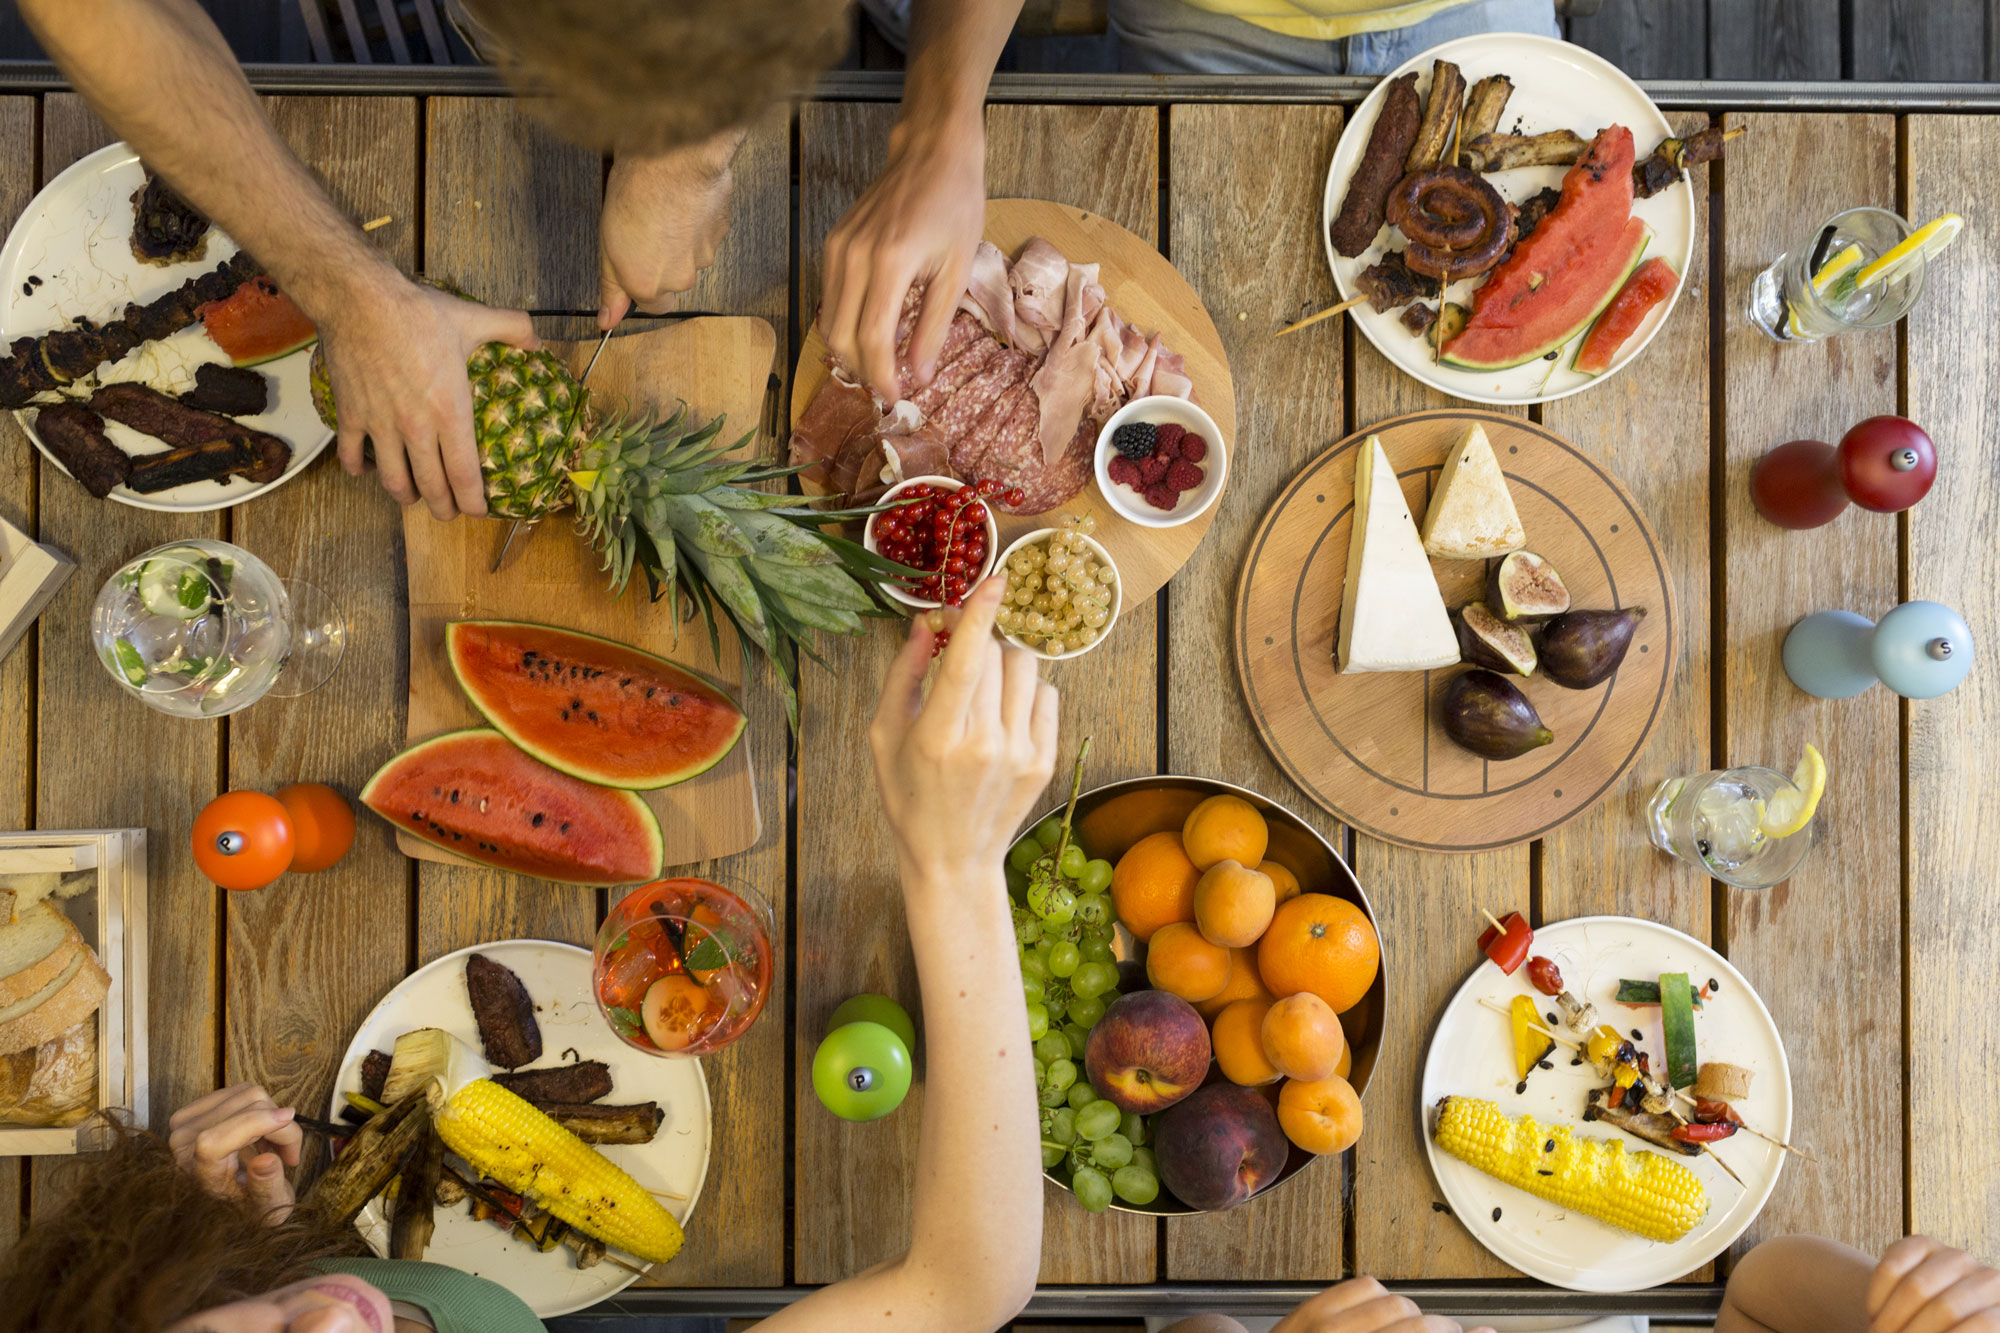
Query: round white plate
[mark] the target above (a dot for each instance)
(1556, 87)
(1470, 1054)
(558, 979)
(76, 237)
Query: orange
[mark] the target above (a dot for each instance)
(1322, 944)
(1238, 1040)
(1153, 884)
(1232, 904)
(1180, 962)
(1320, 1115)
(322, 824)
(1346, 1065)
(1243, 984)
(1225, 828)
(1282, 879)
(1302, 1037)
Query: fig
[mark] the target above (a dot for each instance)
(1485, 640)
(1523, 586)
(1581, 648)
(1485, 713)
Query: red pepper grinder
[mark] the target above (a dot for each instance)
(1884, 464)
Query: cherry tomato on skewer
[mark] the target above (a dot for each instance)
(1546, 976)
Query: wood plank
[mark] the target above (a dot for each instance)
(1904, 40)
(1785, 940)
(1648, 39)
(1774, 40)
(307, 959)
(510, 210)
(1296, 1233)
(1954, 805)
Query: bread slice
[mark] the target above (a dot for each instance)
(63, 1087)
(34, 951)
(57, 1007)
(19, 892)
(1472, 514)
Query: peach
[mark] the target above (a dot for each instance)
(1219, 1147)
(1148, 1052)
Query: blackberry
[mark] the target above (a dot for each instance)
(1135, 439)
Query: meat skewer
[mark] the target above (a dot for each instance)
(1389, 142)
(1384, 285)
(1675, 156)
(1440, 121)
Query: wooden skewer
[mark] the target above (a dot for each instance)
(1493, 921)
(668, 1194)
(1688, 1097)
(1716, 1157)
(1555, 1037)
(1327, 313)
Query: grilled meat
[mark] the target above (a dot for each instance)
(75, 435)
(232, 391)
(166, 229)
(1657, 1130)
(1392, 283)
(1503, 152)
(504, 1012)
(374, 1073)
(163, 416)
(1433, 142)
(597, 1123)
(1483, 108)
(1360, 216)
(1418, 318)
(584, 1081)
(1529, 213)
(250, 454)
(1673, 156)
(22, 374)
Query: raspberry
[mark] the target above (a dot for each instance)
(1134, 439)
(1169, 447)
(1162, 496)
(1124, 470)
(1194, 448)
(1170, 430)
(1153, 471)
(1183, 475)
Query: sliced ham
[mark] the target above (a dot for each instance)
(1066, 382)
(988, 297)
(1040, 279)
(1170, 376)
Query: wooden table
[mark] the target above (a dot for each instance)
(1876, 959)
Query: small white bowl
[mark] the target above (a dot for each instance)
(1160, 409)
(942, 484)
(1117, 584)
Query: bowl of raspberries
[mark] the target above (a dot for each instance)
(1160, 461)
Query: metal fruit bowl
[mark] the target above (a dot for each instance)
(1109, 819)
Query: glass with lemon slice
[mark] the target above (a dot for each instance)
(1748, 827)
(1861, 269)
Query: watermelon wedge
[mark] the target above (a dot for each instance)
(595, 709)
(1651, 283)
(257, 323)
(474, 793)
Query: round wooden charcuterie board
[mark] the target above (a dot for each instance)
(1368, 747)
(1147, 292)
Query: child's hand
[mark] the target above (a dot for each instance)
(960, 770)
(237, 1142)
(1362, 1305)
(1925, 1286)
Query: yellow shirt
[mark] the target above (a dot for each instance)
(1327, 19)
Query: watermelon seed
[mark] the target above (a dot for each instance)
(673, 701)
(565, 714)
(436, 792)
(576, 704)
(649, 691)
(565, 827)
(454, 796)
(593, 715)
(625, 683)
(536, 821)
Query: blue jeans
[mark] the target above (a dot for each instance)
(1173, 37)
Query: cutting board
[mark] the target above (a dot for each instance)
(1146, 291)
(719, 365)
(1368, 747)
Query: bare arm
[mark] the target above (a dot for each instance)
(160, 74)
(957, 775)
(922, 218)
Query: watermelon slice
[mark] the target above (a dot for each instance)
(474, 793)
(257, 323)
(590, 707)
(1651, 283)
(1555, 282)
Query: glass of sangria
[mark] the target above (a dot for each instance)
(683, 966)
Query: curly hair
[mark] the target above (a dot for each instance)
(647, 76)
(137, 1244)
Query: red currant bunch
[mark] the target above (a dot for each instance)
(939, 531)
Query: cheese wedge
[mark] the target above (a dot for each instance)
(1472, 515)
(1392, 617)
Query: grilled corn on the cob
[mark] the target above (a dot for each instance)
(503, 1136)
(1642, 1192)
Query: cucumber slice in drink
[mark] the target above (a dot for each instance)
(176, 584)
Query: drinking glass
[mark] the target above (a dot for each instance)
(1713, 820)
(1788, 305)
(202, 628)
(683, 966)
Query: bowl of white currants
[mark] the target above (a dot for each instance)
(1062, 591)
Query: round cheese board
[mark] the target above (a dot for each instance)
(1149, 293)
(1368, 747)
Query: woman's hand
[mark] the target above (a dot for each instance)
(1362, 1305)
(664, 219)
(1925, 1286)
(960, 770)
(211, 1136)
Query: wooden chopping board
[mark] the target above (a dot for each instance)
(719, 365)
(1367, 747)
(1147, 292)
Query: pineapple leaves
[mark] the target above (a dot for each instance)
(705, 527)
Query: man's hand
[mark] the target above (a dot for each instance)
(210, 1137)
(664, 219)
(396, 353)
(960, 770)
(919, 222)
(1925, 1286)
(1362, 1305)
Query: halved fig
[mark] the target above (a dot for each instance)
(1524, 586)
(1486, 640)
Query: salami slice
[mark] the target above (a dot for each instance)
(1013, 457)
(953, 375)
(959, 413)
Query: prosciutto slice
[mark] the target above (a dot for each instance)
(1040, 279)
(1066, 383)
(988, 296)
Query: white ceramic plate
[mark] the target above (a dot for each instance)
(558, 978)
(1556, 86)
(1470, 1055)
(75, 236)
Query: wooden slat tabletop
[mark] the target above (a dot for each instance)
(1874, 959)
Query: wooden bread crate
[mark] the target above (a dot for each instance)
(112, 917)
(29, 577)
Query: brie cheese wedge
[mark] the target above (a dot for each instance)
(1392, 616)
(1472, 515)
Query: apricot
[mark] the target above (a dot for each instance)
(1225, 828)
(1233, 904)
(1303, 1037)
(1238, 1039)
(1320, 1115)
(1282, 879)
(1244, 984)
(1180, 962)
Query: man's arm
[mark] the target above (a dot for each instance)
(160, 74)
(922, 219)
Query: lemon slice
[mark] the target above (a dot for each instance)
(1835, 266)
(1790, 811)
(1924, 242)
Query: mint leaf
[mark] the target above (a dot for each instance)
(626, 1021)
(711, 953)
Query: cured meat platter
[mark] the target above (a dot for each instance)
(1150, 295)
(1368, 747)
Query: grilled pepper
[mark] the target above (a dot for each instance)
(1507, 948)
(1531, 1044)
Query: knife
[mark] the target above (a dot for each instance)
(514, 528)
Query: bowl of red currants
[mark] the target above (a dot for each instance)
(941, 526)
